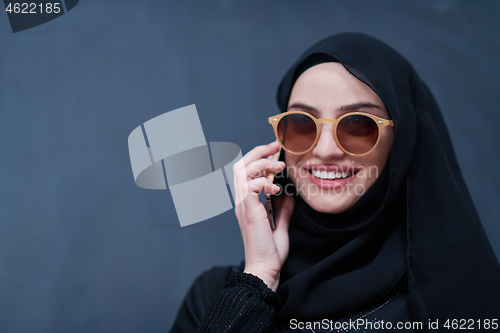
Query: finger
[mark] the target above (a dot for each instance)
(255, 154)
(260, 152)
(239, 168)
(274, 157)
(251, 201)
(258, 168)
(263, 184)
(263, 167)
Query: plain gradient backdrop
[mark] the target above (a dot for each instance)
(82, 248)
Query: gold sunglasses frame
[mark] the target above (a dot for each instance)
(381, 123)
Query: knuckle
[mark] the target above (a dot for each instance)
(255, 184)
(255, 166)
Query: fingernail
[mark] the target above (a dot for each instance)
(276, 187)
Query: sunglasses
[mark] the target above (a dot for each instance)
(356, 133)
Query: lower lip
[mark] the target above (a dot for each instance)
(329, 183)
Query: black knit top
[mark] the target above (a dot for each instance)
(243, 303)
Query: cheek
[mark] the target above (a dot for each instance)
(291, 160)
(292, 164)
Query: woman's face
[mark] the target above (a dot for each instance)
(328, 90)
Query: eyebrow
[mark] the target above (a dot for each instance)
(304, 107)
(357, 106)
(343, 108)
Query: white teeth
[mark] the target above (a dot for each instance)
(331, 174)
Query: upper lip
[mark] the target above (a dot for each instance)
(330, 167)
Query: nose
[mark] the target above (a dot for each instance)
(327, 148)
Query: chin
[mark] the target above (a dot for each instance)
(331, 204)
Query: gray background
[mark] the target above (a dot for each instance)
(82, 248)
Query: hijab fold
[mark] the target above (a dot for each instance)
(415, 228)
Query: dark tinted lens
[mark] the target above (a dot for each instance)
(358, 134)
(297, 132)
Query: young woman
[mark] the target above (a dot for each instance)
(379, 231)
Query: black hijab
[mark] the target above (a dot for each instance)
(415, 229)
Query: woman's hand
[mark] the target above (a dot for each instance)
(265, 249)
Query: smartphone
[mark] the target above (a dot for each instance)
(269, 198)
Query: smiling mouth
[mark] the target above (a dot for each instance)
(331, 175)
